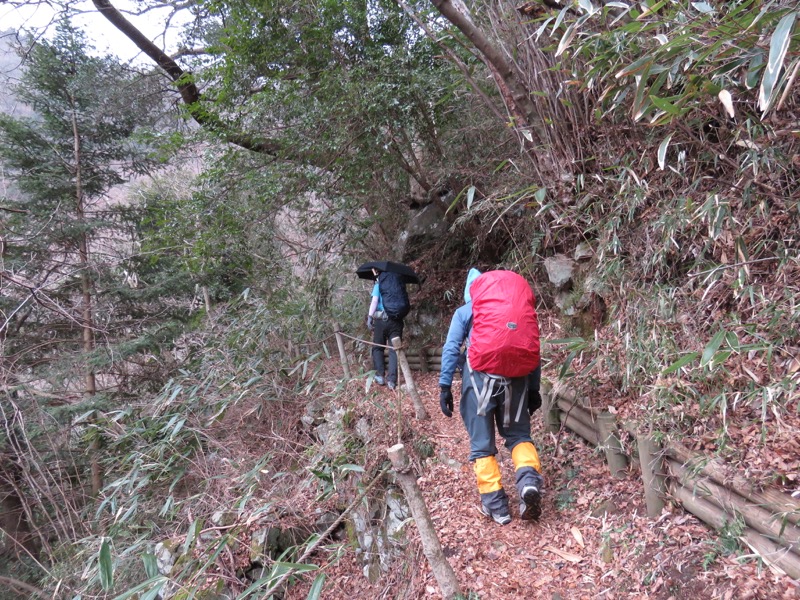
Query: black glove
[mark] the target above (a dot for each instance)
(534, 397)
(370, 322)
(446, 400)
(534, 401)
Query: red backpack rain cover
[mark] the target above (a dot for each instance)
(505, 329)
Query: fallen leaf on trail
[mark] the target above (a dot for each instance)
(565, 555)
(576, 533)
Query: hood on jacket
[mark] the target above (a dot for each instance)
(471, 276)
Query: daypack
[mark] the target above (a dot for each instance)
(505, 329)
(393, 295)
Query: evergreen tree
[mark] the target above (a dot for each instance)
(61, 233)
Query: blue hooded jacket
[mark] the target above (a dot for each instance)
(457, 333)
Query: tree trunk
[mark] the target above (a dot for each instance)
(509, 81)
(191, 96)
(13, 520)
(86, 319)
(431, 546)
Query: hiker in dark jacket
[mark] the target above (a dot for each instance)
(510, 412)
(383, 328)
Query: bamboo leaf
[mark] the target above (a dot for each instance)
(191, 535)
(316, 588)
(665, 105)
(681, 362)
(154, 592)
(106, 565)
(662, 151)
(713, 346)
(587, 6)
(777, 52)
(569, 34)
(150, 564)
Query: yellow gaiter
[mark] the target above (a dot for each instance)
(488, 474)
(525, 455)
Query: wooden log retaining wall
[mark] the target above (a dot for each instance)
(769, 518)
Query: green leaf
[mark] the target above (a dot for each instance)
(150, 564)
(158, 582)
(777, 52)
(665, 105)
(106, 565)
(569, 34)
(713, 346)
(681, 362)
(662, 151)
(636, 66)
(191, 535)
(316, 587)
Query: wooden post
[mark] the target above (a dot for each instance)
(431, 546)
(606, 427)
(419, 408)
(342, 353)
(552, 422)
(653, 474)
(423, 360)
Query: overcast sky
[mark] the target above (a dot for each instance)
(99, 31)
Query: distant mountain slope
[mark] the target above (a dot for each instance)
(10, 70)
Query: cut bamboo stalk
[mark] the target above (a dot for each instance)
(587, 433)
(773, 500)
(423, 360)
(615, 457)
(550, 411)
(419, 408)
(760, 519)
(431, 547)
(342, 352)
(709, 513)
(652, 464)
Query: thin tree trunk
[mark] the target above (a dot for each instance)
(87, 320)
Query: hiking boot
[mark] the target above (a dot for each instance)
(392, 385)
(501, 516)
(380, 380)
(530, 509)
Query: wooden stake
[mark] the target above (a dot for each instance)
(342, 353)
(652, 474)
(615, 457)
(431, 546)
(423, 360)
(552, 422)
(419, 408)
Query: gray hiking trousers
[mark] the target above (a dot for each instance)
(481, 428)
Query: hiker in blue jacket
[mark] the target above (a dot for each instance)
(498, 410)
(383, 328)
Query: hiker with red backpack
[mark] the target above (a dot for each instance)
(499, 385)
